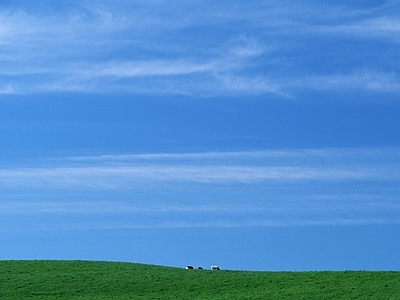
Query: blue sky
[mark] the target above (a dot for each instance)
(256, 135)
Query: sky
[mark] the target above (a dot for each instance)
(252, 135)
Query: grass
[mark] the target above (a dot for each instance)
(111, 280)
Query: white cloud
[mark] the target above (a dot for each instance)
(360, 80)
(250, 85)
(131, 170)
(382, 27)
(158, 48)
(306, 187)
(7, 89)
(120, 215)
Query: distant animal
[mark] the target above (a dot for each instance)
(189, 267)
(200, 268)
(215, 268)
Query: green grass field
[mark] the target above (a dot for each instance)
(111, 280)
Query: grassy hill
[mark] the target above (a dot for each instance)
(110, 280)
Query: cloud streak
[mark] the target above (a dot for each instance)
(113, 172)
(366, 80)
(306, 187)
(147, 48)
(120, 177)
(117, 215)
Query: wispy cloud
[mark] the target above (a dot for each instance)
(156, 48)
(70, 52)
(121, 172)
(366, 80)
(219, 189)
(121, 177)
(124, 215)
(383, 27)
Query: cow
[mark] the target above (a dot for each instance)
(200, 268)
(215, 268)
(189, 267)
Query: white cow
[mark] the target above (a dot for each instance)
(215, 268)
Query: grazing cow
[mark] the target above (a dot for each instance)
(189, 268)
(215, 268)
(200, 268)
